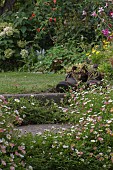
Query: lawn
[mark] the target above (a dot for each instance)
(23, 82)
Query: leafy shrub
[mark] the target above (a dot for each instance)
(59, 58)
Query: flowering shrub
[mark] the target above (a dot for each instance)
(102, 54)
(48, 24)
(12, 150)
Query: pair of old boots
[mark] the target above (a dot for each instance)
(73, 78)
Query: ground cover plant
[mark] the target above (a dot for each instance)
(15, 82)
(88, 144)
(12, 150)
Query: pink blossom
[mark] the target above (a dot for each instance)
(16, 153)
(12, 145)
(3, 162)
(100, 139)
(12, 168)
(94, 14)
(106, 32)
(91, 130)
(1, 130)
(100, 9)
(111, 13)
(106, 5)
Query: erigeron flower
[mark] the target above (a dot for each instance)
(12, 168)
(8, 136)
(101, 9)
(3, 162)
(93, 141)
(17, 100)
(65, 146)
(30, 168)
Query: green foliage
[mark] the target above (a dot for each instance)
(36, 112)
(46, 25)
(103, 57)
(59, 58)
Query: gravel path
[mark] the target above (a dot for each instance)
(34, 129)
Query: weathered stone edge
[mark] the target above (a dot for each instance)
(42, 96)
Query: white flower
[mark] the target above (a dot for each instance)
(23, 107)
(8, 136)
(17, 100)
(93, 141)
(110, 101)
(30, 168)
(12, 155)
(65, 146)
(32, 95)
(16, 111)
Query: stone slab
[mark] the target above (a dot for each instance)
(56, 97)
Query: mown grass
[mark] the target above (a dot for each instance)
(23, 82)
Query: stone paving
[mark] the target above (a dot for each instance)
(34, 129)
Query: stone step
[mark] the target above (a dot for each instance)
(56, 97)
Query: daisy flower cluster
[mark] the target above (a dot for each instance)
(12, 150)
(90, 140)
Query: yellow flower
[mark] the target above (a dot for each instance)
(93, 50)
(97, 52)
(87, 54)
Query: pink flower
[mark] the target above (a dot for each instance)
(54, 1)
(3, 162)
(94, 14)
(110, 38)
(111, 13)
(100, 139)
(106, 5)
(91, 130)
(12, 168)
(106, 32)
(50, 19)
(12, 145)
(100, 9)
(16, 153)
(54, 19)
(1, 130)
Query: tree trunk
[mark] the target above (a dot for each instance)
(8, 5)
